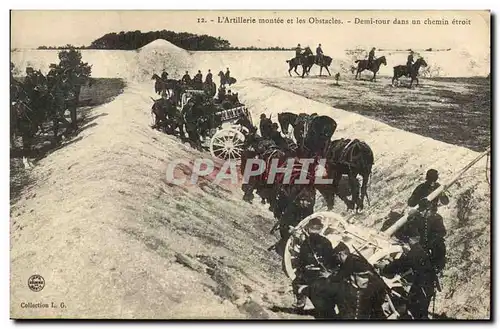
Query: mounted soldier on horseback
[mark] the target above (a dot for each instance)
(371, 64)
(409, 70)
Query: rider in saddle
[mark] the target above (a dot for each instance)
(265, 126)
(198, 79)
(186, 79)
(371, 57)
(409, 63)
(319, 54)
(221, 95)
(298, 51)
(164, 76)
(208, 78)
(416, 260)
(227, 75)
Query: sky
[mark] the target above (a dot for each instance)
(30, 29)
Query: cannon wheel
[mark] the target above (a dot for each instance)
(291, 247)
(227, 144)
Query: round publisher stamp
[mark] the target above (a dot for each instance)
(36, 282)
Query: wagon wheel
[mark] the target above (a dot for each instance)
(292, 248)
(227, 144)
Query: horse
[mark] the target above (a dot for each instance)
(317, 133)
(310, 60)
(166, 116)
(311, 132)
(351, 157)
(160, 86)
(287, 119)
(224, 80)
(401, 70)
(375, 67)
(293, 64)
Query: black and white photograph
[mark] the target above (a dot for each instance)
(250, 165)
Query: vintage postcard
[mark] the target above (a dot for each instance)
(250, 165)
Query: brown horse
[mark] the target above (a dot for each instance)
(375, 67)
(292, 65)
(310, 60)
(401, 70)
(351, 157)
(226, 81)
(160, 85)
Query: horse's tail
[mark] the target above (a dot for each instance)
(357, 61)
(288, 61)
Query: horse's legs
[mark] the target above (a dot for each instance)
(326, 67)
(364, 188)
(354, 185)
(328, 193)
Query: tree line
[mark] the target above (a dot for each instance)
(133, 40)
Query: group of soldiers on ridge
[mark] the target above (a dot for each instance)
(299, 52)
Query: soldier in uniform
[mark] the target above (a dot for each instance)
(298, 51)
(352, 285)
(164, 76)
(426, 188)
(371, 57)
(424, 277)
(227, 75)
(409, 64)
(315, 261)
(208, 78)
(198, 80)
(319, 54)
(186, 79)
(265, 126)
(426, 222)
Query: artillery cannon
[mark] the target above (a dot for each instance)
(375, 246)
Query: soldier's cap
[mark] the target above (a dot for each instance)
(432, 175)
(339, 247)
(262, 116)
(315, 224)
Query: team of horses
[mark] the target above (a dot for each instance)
(307, 60)
(312, 139)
